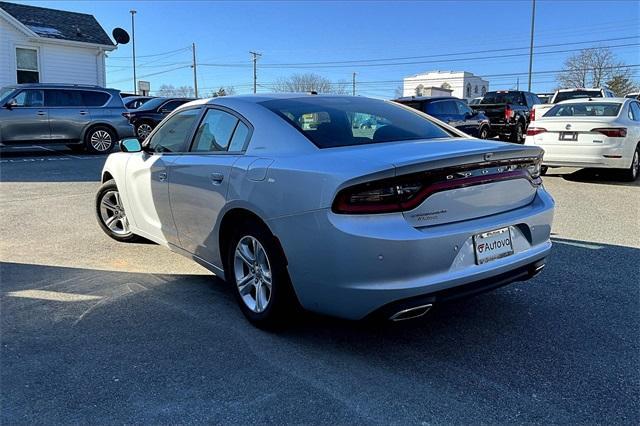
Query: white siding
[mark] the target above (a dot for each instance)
(58, 63)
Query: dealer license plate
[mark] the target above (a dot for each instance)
(568, 136)
(492, 245)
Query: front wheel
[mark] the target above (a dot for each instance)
(256, 268)
(631, 174)
(111, 215)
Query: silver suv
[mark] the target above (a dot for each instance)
(83, 117)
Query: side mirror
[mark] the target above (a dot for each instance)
(130, 145)
(11, 103)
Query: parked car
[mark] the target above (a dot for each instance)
(453, 112)
(635, 95)
(146, 117)
(545, 98)
(83, 117)
(567, 94)
(508, 112)
(475, 101)
(594, 132)
(339, 221)
(135, 102)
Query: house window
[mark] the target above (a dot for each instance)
(27, 65)
(484, 90)
(475, 89)
(468, 90)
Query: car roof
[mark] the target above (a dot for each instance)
(595, 99)
(425, 98)
(575, 89)
(58, 86)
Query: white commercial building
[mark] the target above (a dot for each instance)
(463, 84)
(41, 45)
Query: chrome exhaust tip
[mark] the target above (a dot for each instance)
(411, 313)
(536, 269)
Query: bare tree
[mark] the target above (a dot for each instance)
(621, 85)
(399, 92)
(223, 91)
(309, 82)
(590, 68)
(168, 90)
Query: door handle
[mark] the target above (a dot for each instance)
(162, 176)
(42, 113)
(217, 178)
(84, 112)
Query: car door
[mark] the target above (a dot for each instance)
(469, 122)
(27, 120)
(147, 179)
(199, 180)
(68, 116)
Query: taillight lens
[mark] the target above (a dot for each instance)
(532, 131)
(532, 116)
(612, 132)
(508, 113)
(382, 196)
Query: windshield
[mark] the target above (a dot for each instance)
(5, 92)
(586, 109)
(502, 98)
(343, 121)
(577, 94)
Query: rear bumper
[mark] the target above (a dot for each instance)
(597, 156)
(349, 266)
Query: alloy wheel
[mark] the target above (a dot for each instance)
(113, 215)
(101, 140)
(143, 130)
(253, 274)
(635, 165)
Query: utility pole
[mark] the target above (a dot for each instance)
(518, 84)
(255, 70)
(195, 75)
(354, 84)
(133, 40)
(533, 20)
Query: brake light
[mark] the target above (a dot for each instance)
(532, 131)
(508, 113)
(612, 132)
(407, 192)
(532, 116)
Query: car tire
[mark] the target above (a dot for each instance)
(256, 269)
(111, 215)
(484, 133)
(100, 140)
(143, 129)
(631, 174)
(517, 136)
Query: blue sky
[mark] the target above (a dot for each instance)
(289, 32)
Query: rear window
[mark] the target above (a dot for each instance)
(502, 98)
(584, 110)
(577, 94)
(344, 121)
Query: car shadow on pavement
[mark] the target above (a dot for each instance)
(79, 345)
(609, 177)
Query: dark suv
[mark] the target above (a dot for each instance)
(146, 117)
(83, 117)
(452, 111)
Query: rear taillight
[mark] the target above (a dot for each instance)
(532, 116)
(407, 192)
(612, 132)
(508, 113)
(532, 131)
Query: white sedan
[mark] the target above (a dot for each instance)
(594, 132)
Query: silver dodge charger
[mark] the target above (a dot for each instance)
(347, 206)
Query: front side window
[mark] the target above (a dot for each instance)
(334, 119)
(215, 132)
(171, 105)
(27, 66)
(585, 109)
(463, 109)
(172, 134)
(5, 92)
(63, 98)
(30, 98)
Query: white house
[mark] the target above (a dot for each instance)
(463, 84)
(41, 45)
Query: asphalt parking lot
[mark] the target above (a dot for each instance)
(93, 331)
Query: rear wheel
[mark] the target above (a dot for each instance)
(99, 140)
(484, 133)
(111, 215)
(256, 268)
(143, 129)
(631, 174)
(517, 136)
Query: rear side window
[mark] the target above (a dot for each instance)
(344, 121)
(94, 99)
(576, 94)
(63, 98)
(584, 110)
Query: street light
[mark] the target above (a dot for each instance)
(133, 43)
